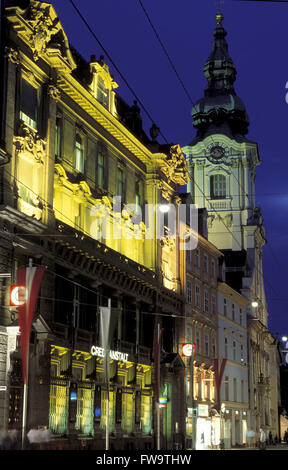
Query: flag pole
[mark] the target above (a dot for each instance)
(25, 391)
(107, 367)
(158, 378)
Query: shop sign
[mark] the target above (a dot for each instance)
(116, 355)
(188, 349)
(203, 410)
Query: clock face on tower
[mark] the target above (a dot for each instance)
(217, 151)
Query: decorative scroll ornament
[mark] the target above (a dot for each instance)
(28, 141)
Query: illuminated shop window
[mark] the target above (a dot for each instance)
(28, 104)
(84, 420)
(111, 411)
(58, 410)
(79, 154)
(146, 416)
(128, 410)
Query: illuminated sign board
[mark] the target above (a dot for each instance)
(203, 410)
(18, 296)
(116, 355)
(188, 349)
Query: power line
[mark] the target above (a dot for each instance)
(114, 65)
(166, 52)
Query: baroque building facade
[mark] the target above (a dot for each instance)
(222, 164)
(78, 174)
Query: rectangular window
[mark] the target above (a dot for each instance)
(205, 264)
(213, 347)
(240, 316)
(198, 342)
(58, 135)
(100, 170)
(225, 307)
(234, 350)
(28, 104)
(213, 304)
(233, 312)
(226, 388)
(138, 200)
(102, 92)
(206, 341)
(235, 388)
(206, 301)
(79, 154)
(242, 353)
(120, 184)
(189, 292)
(218, 186)
(212, 268)
(197, 296)
(242, 392)
(197, 258)
(226, 348)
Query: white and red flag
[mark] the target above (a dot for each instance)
(31, 278)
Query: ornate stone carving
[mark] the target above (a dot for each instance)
(43, 28)
(176, 168)
(54, 92)
(12, 55)
(28, 140)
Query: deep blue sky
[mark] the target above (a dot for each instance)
(258, 44)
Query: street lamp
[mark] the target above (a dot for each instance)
(254, 303)
(284, 338)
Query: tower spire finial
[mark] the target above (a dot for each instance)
(219, 15)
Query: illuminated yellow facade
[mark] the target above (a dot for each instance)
(72, 152)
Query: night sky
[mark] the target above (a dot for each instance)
(258, 44)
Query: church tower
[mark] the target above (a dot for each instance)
(222, 162)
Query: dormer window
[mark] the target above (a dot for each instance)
(28, 104)
(218, 187)
(79, 154)
(102, 92)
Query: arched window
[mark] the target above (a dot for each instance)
(218, 186)
(102, 92)
(79, 154)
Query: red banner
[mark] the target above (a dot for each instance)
(218, 378)
(31, 278)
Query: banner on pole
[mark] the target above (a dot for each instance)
(31, 278)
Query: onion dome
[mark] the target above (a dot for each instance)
(221, 110)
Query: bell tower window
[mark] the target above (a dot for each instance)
(218, 187)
